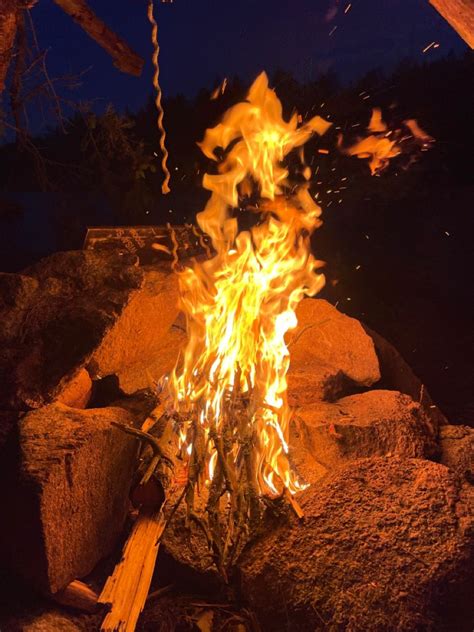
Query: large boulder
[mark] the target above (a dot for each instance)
(77, 310)
(137, 341)
(325, 436)
(375, 423)
(65, 476)
(331, 355)
(457, 450)
(397, 375)
(380, 547)
(159, 361)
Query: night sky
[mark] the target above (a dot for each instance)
(206, 40)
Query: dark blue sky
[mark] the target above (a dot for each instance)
(202, 40)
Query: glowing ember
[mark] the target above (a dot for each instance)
(230, 387)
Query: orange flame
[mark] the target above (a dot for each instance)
(240, 304)
(383, 144)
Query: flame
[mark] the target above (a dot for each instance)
(383, 144)
(240, 303)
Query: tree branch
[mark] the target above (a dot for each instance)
(8, 25)
(125, 59)
(460, 14)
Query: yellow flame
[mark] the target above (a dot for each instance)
(240, 303)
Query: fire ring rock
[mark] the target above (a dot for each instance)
(75, 310)
(65, 477)
(331, 355)
(380, 548)
(375, 423)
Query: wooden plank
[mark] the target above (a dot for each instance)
(460, 14)
(150, 244)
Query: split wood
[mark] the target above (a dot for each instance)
(77, 595)
(126, 590)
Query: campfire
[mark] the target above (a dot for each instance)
(229, 389)
(245, 432)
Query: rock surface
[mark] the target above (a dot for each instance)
(68, 307)
(375, 423)
(148, 370)
(331, 355)
(397, 375)
(137, 340)
(65, 478)
(457, 450)
(78, 391)
(325, 437)
(380, 548)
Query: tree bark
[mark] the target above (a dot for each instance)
(460, 14)
(125, 59)
(8, 25)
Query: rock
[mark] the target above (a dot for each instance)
(76, 309)
(146, 371)
(50, 621)
(65, 479)
(331, 355)
(137, 340)
(77, 392)
(397, 375)
(323, 437)
(375, 423)
(457, 450)
(380, 548)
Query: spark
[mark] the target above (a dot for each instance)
(433, 44)
(332, 31)
(348, 8)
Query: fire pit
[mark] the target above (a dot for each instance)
(273, 449)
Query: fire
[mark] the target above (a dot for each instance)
(229, 387)
(382, 144)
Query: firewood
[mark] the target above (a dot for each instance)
(126, 590)
(79, 596)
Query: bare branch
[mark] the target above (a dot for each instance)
(125, 59)
(8, 27)
(460, 14)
